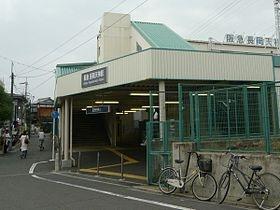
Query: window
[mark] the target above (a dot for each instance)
(98, 51)
(138, 47)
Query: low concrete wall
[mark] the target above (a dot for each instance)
(270, 163)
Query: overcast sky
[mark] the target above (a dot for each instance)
(29, 29)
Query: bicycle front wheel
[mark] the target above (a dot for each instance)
(223, 187)
(204, 186)
(266, 191)
(165, 175)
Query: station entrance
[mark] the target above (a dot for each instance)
(125, 128)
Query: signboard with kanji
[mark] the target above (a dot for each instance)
(98, 109)
(94, 77)
(251, 40)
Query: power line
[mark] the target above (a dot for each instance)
(206, 24)
(18, 90)
(247, 6)
(23, 64)
(42, 83)
(36, 76)
(73, 36)
(270, 28)
(217, 17)
(232, 13)
(83, 43)
(212, 14)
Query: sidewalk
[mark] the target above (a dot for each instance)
(134, 167)
(10, 163)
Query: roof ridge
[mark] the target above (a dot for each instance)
(180, 37)
(142, 32)
(147, 22)
(161, 36)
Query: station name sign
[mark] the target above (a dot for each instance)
(251, 40)
(98, 109)
(95, 77)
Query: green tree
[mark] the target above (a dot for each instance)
(5, 105)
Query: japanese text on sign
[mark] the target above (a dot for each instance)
(251, 40)
(94, 77)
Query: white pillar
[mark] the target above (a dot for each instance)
(66, 129)
(62, 120)
(53, 133)
(62, 128)
(162, 110)
(59, 121)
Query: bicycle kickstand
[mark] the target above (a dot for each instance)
(242, 196)
(182, 190)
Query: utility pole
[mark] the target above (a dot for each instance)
(25, 89)
(26, 104)
(13, 113)
(25, 114)
(277, 22)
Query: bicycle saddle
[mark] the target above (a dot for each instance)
(179, 161)
(255, 168)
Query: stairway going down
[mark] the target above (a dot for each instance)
(89, 130)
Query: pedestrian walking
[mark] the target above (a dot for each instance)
(24, 141)
(2, 140)
(41, 136)
(7, 140)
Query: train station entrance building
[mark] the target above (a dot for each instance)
(108, 102)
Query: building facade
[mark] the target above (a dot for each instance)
(134, 58)
(41, 112)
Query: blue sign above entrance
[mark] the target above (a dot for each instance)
(98, 109)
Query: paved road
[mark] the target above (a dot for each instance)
(47, 190)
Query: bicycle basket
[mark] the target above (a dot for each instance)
(205, 165)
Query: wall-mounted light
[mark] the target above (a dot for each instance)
(149, 107)
(253, 87)
(171, 102)
(84, 109)
(203, 94)
(89, 106)
(137, 109)
(107, 102)
(129, 111)
(120, 113)
(143, 94)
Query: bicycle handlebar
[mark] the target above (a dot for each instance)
(197, 155)
(236, 156)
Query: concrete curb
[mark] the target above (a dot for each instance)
(155, 189)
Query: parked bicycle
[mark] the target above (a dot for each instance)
(204, 185)
(264, 188)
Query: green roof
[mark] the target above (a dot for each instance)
(68, 68)
(76, 64)
(159, 35)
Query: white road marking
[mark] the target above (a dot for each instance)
(91, 180)
(115, 194)
(105, 178)
(13, 175)
(32, 168)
